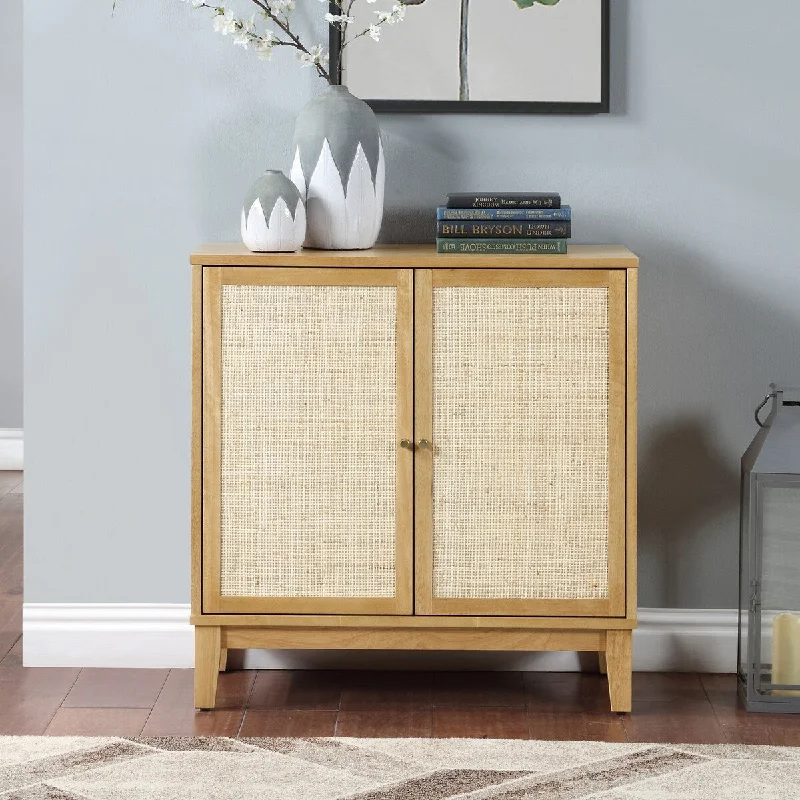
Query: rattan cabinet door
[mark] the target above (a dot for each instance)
(307, 494)
(520, 480)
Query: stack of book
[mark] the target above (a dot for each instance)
(526, 222)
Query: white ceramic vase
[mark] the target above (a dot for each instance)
(273, 215)
(339, 168)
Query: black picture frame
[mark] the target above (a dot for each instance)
(494, 106)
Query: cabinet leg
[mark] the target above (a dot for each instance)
(206, 665)
(619, 661)
(603, 666)
(223, 659)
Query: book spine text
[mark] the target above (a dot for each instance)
(511, 214)
(504, 230)
(515, 200)
(488, 246)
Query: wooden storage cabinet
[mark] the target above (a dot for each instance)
(394, 449)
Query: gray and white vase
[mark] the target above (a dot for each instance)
(339, 168)
(273, 215)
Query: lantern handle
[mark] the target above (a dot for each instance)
(763, 403)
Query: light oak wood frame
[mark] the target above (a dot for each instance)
(631, 444)
(410, 256)
(212, 601)
(413, 639)
(425, 282)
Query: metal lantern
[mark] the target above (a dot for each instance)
(769, 559)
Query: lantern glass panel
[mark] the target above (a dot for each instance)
(778, 521)
(745, 572)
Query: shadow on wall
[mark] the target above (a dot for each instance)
(420, 153)
(686, 482)
(711, 341)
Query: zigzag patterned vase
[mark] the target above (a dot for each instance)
(273, 215)
(339, 168)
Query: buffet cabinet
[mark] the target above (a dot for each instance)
(394, 449)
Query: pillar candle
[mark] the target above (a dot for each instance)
(786, 652)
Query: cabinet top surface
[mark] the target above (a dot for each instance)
(579, 256)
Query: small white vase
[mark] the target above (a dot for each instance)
(339, 168)
(273, 215)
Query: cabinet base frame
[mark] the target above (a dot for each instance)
(211, 641)
(410, 621)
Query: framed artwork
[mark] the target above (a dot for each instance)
(530, 56)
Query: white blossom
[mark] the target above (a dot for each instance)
(315, 55)
(264, 44)
(246, 33)
(397, 14)
(375, 32)
(264, 50)
(225, 22)
(279, 6)
(339, 18)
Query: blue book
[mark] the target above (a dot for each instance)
(481, 229)
(563, 214)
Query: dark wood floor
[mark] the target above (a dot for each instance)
(132, 702)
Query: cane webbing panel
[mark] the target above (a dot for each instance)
(520, 426)
(308, 441)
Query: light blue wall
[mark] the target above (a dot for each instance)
(142, 133)
(11, 214)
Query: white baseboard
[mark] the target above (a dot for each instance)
(107, 635)
(686, 640)
(159, 635)
(10, 448)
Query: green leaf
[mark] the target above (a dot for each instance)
(531, 3)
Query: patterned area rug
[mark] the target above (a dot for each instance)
(78, 768)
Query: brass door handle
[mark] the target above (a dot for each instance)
(407, 444)
(424, 444)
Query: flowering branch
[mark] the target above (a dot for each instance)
(245, 33)
(397, 14)
(342, 20)
(315, 56)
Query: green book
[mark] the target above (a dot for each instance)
(487, 246)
